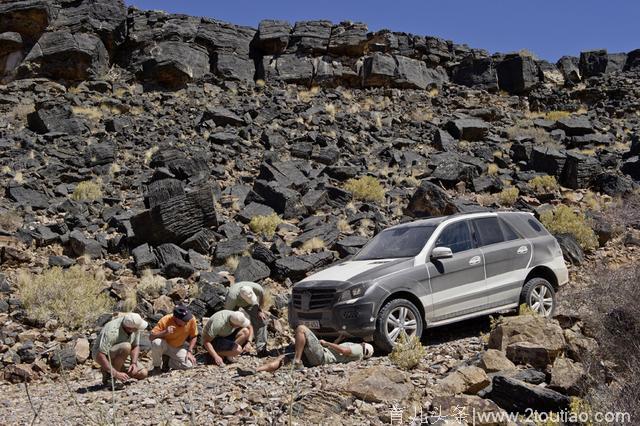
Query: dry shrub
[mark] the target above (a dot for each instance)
(314, 244)
(538, 134)
(267, 300)
(508, 196)
(343, 226)
(74, 297)
(150, 285)
(408, 352)
(366, 188)
(563, 220)
(543, 184)
(231, 263)
(10, 221)
(614, 321)
(90, 190)
(492, 169)
(265, 225)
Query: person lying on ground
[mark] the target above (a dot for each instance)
(169, 338)
(227, 334)
(116, 349)
(250, 296)
(311, 352)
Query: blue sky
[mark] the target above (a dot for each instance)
(548, 28)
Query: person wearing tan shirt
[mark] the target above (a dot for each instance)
(169, 337)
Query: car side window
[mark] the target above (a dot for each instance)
(508, 232)
(488, 231)
(456, 236)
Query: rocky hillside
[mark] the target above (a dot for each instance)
(145, 154)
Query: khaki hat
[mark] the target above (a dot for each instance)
(248, 295)
(368, 350)
(133, 320)
(239, 319)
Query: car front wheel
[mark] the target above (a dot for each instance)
(396, 316)
(539, 296)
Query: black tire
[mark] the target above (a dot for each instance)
(532, 290)
(381, 337)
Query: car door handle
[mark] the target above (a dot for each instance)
(474, 260)
(523, 250)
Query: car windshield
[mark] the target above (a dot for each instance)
(395, 243)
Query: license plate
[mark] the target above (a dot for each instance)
(311, 324)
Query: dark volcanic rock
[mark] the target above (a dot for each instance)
(250, 269)
(476, 72)
(430, 200)
(51, 116)
(571, 250)
(469, 129)
(66, 56)
(517, 73)
(273, 36)
(579, 171)
(176, 219)
(517, 396)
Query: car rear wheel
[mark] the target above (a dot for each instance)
(538, 294)
(396, 316)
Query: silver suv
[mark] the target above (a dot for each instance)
(433, 272)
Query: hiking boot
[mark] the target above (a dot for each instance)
(246, 371)
(262, 353)
(155, 372)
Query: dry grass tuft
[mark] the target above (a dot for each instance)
(265, 225)
(267, 300)
(151, 286)
(314, 244)
(543, 184)
(508, 196)
(90, 190)
(343, 226)
(492, 169)
(231, 263)
(74, 297)
(408, 352)
(10, 221)
(366, 188)
(563, 220)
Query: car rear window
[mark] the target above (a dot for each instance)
(509, 233)
(535, 225)
(488, 231)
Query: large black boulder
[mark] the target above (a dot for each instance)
(517, 73)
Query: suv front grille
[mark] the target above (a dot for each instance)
(311, 299)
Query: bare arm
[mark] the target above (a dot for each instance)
(192, 343)
(212, 352)
(106, 366)
(161, 334)
(342, 350)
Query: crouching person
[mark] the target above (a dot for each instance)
(117, 349)
(249, 296)
(226, 334)
(314, 352)
(169, 338)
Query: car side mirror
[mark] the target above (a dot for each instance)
(441, 253)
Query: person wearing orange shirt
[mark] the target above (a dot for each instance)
(169, 337)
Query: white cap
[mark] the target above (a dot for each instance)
(239, 319)
(368, 350)
(248, 295)
(133, 320)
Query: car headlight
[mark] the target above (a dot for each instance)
(353, 292)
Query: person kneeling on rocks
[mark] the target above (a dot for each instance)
(314, 352)
(118, 342)
(249, 296)
(169, 337)
(226, 334)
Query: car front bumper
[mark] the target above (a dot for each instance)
(357, 319)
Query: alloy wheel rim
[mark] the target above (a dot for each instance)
(399, 319)
(541, 300)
